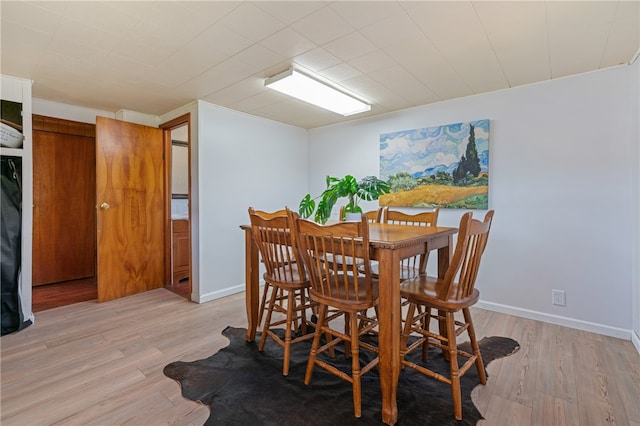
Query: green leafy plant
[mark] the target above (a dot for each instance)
(368, 188)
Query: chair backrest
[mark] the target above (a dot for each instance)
(268, 215)
(429, 218)
(373, 216)
(320, 245)
(271, 233)
(396, 217)
(472, 240)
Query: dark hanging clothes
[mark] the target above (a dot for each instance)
(11, 254)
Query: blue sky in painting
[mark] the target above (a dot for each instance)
(414, 151)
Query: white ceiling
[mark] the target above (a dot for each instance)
(153, 57)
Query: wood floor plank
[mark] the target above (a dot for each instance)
(101, 364)
(519, 385)
(555, 371)
(551, 410)
(502, 411)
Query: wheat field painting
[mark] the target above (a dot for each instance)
(445, 166)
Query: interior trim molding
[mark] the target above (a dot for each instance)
(208, 297)
(635, 339)
(591, 327)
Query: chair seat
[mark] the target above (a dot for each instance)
(347, 302)
(425, 290)
(288, 277)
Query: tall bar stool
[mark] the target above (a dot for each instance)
(287, 278)
(340, 288)
(440, 299)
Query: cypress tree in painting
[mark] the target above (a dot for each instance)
(473, 163)
(469, 163)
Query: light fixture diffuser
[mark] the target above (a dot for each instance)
(294, 83)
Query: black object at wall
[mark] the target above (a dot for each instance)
(11, 255)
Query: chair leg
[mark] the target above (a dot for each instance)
(453, 365)
(347, 331)
(303, 312)
(355, 366)
(474, 345)
(408, 323)
(291, 297)
(316, 342)
(267, 321)
(442, 327)
(426, 321)
(267, 286)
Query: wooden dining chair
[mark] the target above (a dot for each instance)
(341, 288)
(373, 216)
(440, 299)
(267, 286)
(287, 278)
(412, 266)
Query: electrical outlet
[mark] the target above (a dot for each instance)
(558, 297)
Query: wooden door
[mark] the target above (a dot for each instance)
(64, 217)
(130, 196)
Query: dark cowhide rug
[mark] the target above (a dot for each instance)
(243, 386)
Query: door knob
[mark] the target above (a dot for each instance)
(104, 206)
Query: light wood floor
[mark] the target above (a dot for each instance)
(102, 364)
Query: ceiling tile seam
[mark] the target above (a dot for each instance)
(186, 6)
(204, 30)
(495, 54)
(606, 42)
(369, 75)
(206, 70)
(546, 24)
(287, 25)
(258, 43)
(443, 56)
(258, 74)
(290, 59)
(78, 21)
(53, 34)
(22, 26)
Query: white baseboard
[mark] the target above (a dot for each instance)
(221, 293)
(558, 320)
(635, 339)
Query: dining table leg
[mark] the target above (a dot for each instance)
(252, 285)
(444, 255)
(389, 327)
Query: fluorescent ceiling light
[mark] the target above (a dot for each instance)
(294, 83)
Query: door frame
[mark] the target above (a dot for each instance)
(167, 127)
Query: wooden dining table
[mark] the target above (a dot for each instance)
(389, 245)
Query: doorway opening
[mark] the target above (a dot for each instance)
(64, 197)
(178, 181)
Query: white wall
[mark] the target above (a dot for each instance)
(243, 161)
(68, 112)
(561, 169)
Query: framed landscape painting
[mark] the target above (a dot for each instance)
(445, 166)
